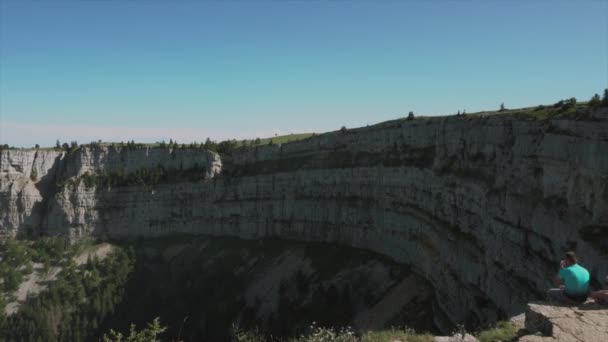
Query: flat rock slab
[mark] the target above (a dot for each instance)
(587, 322)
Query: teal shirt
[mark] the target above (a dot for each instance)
(576, 279)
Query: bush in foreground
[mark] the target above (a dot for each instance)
(149, 334)
(504, 331)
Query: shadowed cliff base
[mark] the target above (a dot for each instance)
(202, 286)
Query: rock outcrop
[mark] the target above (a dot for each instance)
(481, 207)
(585, 323)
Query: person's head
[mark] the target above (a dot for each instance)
(570, 258)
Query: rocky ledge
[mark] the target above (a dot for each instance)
(585, 323)
(547, 322)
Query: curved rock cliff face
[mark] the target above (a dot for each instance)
(481, 207)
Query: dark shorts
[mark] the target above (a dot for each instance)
(577, 298)
(561, 296)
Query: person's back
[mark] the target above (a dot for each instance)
(576, 280)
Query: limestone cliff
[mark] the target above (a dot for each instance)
(482, 207)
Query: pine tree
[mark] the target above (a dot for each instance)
(595, 101)
(605, 98)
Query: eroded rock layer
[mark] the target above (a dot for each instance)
(481, 207)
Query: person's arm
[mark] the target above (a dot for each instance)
(558, 276)
(558, 280)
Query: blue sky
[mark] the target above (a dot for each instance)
(151, 70)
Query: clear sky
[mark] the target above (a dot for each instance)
(150, 70)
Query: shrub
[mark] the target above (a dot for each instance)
(240, 335)
(226, 147)
(404, 335)
(319, 334)
(504, 331)
(148, 334)
(34, 175)
(595, 101)
(89, 180)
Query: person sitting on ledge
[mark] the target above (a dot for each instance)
(573, 280)
(601, 296)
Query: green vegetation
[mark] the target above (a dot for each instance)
(149, 334)
(321, 334)
(225, 147)
(172, 278)
(390, 335)
(76, 303)
(595, 101)
(140, 177)
(18, 256)
(504, 331)
(281, 139)
(315, 334)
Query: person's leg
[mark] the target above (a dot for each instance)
(600, 297)
(558, 295)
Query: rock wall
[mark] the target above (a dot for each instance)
(26, 178)
(41, 191)
(483, 207)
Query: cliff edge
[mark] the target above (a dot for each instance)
(482, 207)
(585, 323)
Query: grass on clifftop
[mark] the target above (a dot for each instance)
(281, 139)
(504, 331)
(563, 109)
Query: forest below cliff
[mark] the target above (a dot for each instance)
(178, 279)
(169, 289)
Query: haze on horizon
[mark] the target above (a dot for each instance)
(148, 71)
